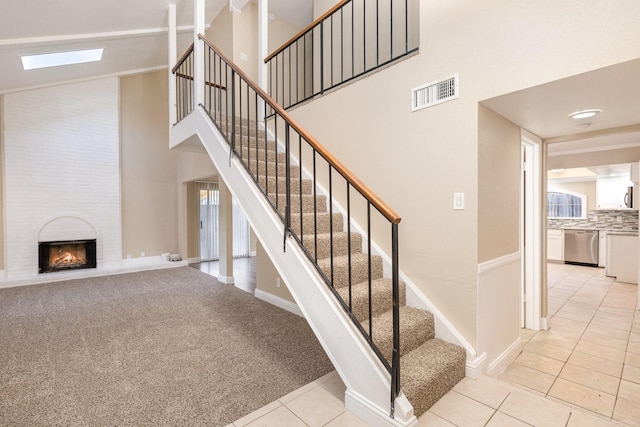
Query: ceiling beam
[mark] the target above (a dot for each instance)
(113, 35)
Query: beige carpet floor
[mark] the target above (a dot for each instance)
(163, 347)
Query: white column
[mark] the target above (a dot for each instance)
(263, 46)
(198, 50)
(225, 235)
(173, 57)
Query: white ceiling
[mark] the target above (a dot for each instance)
(133, 33)
(543, 109)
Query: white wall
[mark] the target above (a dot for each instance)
(62, 170)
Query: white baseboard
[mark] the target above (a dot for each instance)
(474, 368)
(372, 414)
(509, 355)
(245, 287)
(130, 265)
(544, 323)
(227, 280)
(284, 304)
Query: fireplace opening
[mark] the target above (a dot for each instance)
(66, 255)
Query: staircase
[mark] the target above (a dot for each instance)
(430, 366)
(307, 209)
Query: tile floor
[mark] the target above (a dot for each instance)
(583, 371)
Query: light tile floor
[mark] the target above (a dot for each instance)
(583, 371)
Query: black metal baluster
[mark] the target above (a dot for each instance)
(331, 56)
(331, 225)
(369, 267)
(315, 209)
(395, 362)
(377, 32)
(342, 44)
(287, 207)
(322, 56)
(391, 29)
(349, 242)
(300, 186)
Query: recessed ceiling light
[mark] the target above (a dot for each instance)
(583, 114)
(46, 60)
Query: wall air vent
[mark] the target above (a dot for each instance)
(434, 93)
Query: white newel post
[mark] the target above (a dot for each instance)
(173, 57)
(198, 50)
(225, 234)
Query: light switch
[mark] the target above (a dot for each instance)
(458, 201)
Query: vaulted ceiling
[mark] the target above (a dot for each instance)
(133, 33)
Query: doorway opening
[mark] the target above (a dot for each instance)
(531, 233)
(208, 208)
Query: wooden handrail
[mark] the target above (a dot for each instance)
(366, 192)
(305, 29)
(182, 58)
(184, 76)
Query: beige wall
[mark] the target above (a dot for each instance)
(496, 47)
(267, 275)
(2, 242)
(498, 187)
(245, 40)
(280, 31)
(321, 6)
(148, 167)
(221, 30)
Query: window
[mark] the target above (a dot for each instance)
(566, 205)
(209, 217)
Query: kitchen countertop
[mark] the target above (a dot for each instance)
(608, 230)
(623, 233)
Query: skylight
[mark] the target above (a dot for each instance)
(46, 60)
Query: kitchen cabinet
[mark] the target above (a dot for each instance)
(635, 172)
(610, 193)
(602, 249)
(555, 245)
(622, 257)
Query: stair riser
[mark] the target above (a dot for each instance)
(281, 185)
(307, 203)
(340, 244)
(429, 372)
(413, 336)
(258, 168)
(359, 272)
(321, 224)
(381, 299)
(271, 155)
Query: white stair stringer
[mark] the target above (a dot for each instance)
(367, 381)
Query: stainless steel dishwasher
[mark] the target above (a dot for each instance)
(581, 247)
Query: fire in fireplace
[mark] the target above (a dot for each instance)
(66, 255)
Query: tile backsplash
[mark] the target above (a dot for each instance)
(601, 220)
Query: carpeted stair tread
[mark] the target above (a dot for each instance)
(359, 269)
(252, 153)
(308, 204)
(340, 244)
(381, 297)
(321, 222)
(258, 168)
(430, 371)
(271, 184)
(416, 327)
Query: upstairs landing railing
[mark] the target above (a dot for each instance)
(350, 40)
(238, 107)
